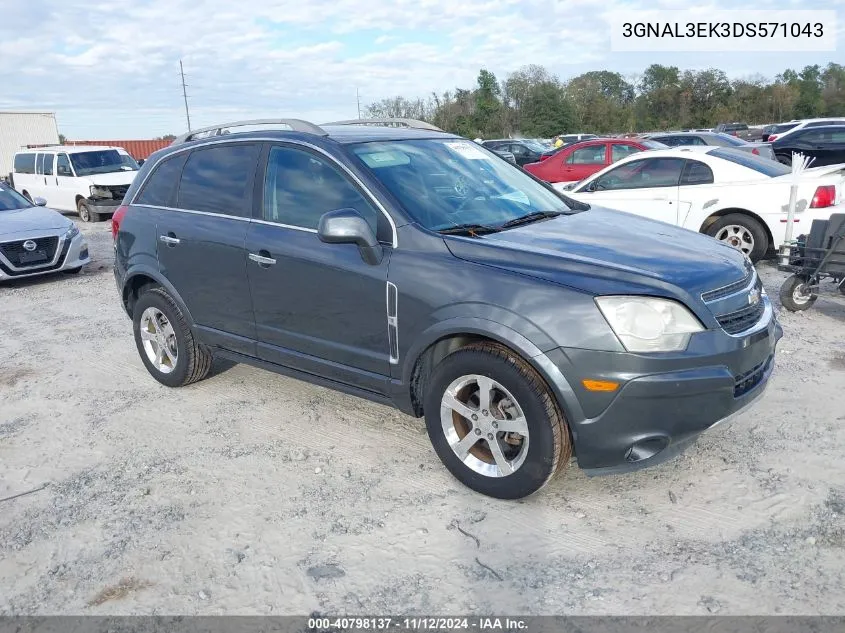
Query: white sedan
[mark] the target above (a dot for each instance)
(733, 196)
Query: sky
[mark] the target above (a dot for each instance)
(109, 69)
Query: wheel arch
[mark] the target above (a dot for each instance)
(446, 337)
(713, 217)
(142, 277)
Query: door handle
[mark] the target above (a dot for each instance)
(169, 240)
(261, 259)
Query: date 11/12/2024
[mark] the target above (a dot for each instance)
(376, 623)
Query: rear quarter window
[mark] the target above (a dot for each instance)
(160, 188)
(764, 166)
(25, 164)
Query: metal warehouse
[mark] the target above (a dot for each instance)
(18, 129)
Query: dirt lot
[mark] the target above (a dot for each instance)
(251, 493)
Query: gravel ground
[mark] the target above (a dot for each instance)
(251, 493)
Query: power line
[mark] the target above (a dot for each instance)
(185, 95)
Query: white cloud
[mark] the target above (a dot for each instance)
(110, 68)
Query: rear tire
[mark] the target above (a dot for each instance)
(165, 341)
(794, 296)
(501, 462)
(743, 233)
(784, 159)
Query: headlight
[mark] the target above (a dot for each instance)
(647, 324)
(100, 192)
(72, 232)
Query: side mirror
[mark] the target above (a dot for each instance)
(346, 226)
(39, 202)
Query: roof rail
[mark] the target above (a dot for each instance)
(390, 122)
(297, 125)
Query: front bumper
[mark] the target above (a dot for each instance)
(103, 206)
(70, 254)
(665, 402)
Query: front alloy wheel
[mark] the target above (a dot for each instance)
(494, 422)
(484, 425)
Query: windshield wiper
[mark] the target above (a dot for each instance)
(468, 229)
(531, 217)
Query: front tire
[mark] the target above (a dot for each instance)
(85, 213)
(165, 341)
(795, 296)
(743, 233)
(494, 423)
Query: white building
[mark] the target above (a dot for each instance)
(19, 129)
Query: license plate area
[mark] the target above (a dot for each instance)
(34, 257)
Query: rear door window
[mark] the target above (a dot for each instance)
(48, 164)
(590, 155)
(219, 179)
(618, 151)
(160, 188)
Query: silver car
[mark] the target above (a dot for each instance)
(35, 240)
(678, 139)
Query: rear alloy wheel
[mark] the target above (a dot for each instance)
(494, 423)
(165, 341)
(742, 233)
(796, 295)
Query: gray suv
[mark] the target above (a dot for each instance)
(415, 268)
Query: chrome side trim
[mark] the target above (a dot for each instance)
(286, 226)
(196, 145)
(191, 211)
(392, 305)
(59, 246)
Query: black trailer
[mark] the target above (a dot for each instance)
(814, 257)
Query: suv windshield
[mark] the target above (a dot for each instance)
(454, 182)
(770, 168)
(102, 162)
(11, 200)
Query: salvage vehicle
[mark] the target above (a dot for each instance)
(580, 160)
(35, 240)
(417, 269)
(90, 180)
(736, 197)
(740, 130)
(824, 144)
(803, 124)
(681, 139)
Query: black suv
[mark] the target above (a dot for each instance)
(418, 269)
(524, 150)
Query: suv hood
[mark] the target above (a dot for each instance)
(112, 178)
(31, 219)
(603, 252)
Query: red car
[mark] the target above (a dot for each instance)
(581, 160)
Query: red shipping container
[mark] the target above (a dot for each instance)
(137, 149)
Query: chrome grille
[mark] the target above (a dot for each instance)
(726, 291)
(14, 251)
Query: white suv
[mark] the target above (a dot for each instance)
(90, 180)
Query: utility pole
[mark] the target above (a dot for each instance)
(185, 95)
(358, 99)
